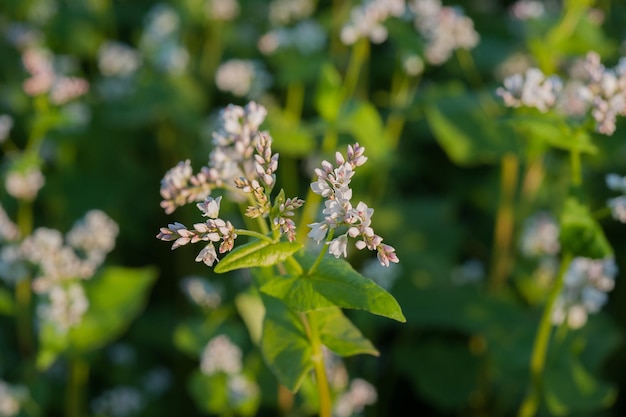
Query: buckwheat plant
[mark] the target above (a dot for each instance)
(302, 292)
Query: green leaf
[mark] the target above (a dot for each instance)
(258, 253)
(340, 335)
(251, 309)
(553, 132)
(285, 345)
(363, 121)
(333, 283)
(328, 95)
(116, 296)
(467, 133)
(7, 305)
(289, 137)
(581, 235)
(569, 388)
(444, 372)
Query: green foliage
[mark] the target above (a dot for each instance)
(581, 235)
(258, 253)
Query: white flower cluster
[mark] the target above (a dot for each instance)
(533, 89)
(122, 401)
(444, 28)
(587, 282)
(242, 157)
(360, 394)
(232, 157)
(45, 80)
(540, 236)
(212, 230)
(60, 266)
(527, 9)
(617, 204)
(307, 37)
(366, 20)
(601, 89)
(11, 399)
(160, 41)
(242, 78)
(8, 230)
(333, 183)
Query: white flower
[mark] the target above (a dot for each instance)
(532, 89)
(210, 207)
(318, 231)
(24, 185)
(540, 236)
(207, 255)
(339, 246)
(360, 394)
(117, 59)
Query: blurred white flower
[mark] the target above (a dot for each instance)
(241, 389)
(527, 9)
(122, 401)
(366, 20)
(223, 10)
(586, 284)
(202, 292)
(540, 236)
(533, 89)
(221, 355)
(65, 307)
(360, 394)
(24, 184)
(242, 78)
(11, 398)
(283, 12)
(116, 59)
(307, 37)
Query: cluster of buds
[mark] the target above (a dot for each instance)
(265, 166)
(333, 183)
(213, 230)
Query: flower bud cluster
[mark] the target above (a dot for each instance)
(213, 230)
(617, 204)
(533, 89)
(283, 220)
(265, 166)
(586, 284)
(445, 29)
(366, 20)
(179, 186)
(333, 184)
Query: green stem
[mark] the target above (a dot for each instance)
(294, 101)
(78, 376)
(360, 51)
(502, 259)
(530, 404)
(252, 233)
(319, 258)
(576, 169)
(317, 357)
